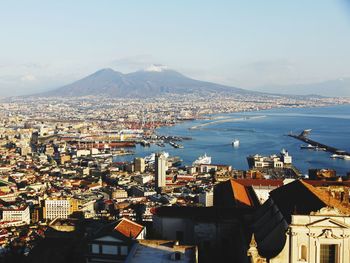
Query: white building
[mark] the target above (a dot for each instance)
(322, 236)
(273, 161)
(119, 193)
(301, 223)
(57, 208)
(21, 214)
(142, 178)
(285, 157)
(160, 170)
(83, 152)
(206, 198)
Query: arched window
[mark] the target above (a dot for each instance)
(303, 253)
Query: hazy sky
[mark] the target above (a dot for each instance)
(45, 44)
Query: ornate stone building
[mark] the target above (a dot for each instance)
(300, 223)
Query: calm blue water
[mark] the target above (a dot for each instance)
(265, 135)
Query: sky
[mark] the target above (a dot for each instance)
(46, 44)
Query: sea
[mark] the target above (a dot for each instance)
(261, 132)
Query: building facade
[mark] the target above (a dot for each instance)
(54, 208)
(321, 237)
(21, 214)
(139, 165)
(160, 170)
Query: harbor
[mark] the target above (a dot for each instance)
(264, 136)
(303, 136)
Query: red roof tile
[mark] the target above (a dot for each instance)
(129, 228)
(240, 193)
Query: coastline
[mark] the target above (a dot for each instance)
(222, 118)
(268, 137)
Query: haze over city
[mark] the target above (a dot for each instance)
(259, 45)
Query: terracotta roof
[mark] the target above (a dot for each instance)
(257, 182)
(241, 189)
(318, 183)
(129, 228)
(327, 199)
(240, 193)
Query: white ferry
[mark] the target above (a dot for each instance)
(202, 160)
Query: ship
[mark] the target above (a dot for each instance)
(145, 143)
(202, 160)
(152, 157)
(312, 147)
(336, 156)
(161, 144)
(341, 156)
(176, 145)
(235, 143)
(308, 147)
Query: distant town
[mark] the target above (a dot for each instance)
(64, 198)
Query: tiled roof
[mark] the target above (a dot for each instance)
(129, 228)
(318, 183)
(240, 193)
(257, 182)
(327, 199)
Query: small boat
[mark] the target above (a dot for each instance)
(320, 148)
(235, 143)
(341, 156)
(176, 145)
(309, 147)
(145, 143)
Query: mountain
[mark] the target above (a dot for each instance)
(156, 81)
(330, 88)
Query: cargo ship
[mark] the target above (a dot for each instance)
(202, 160)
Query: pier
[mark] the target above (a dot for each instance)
(303, 137)
(226, 120)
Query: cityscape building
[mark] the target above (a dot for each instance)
(160, 171)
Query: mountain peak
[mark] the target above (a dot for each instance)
(105, 70)
(156, 80)
(156, 68)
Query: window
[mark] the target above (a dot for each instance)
(328, 254)
(303, 253)
(95, 248)
(109, 250)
